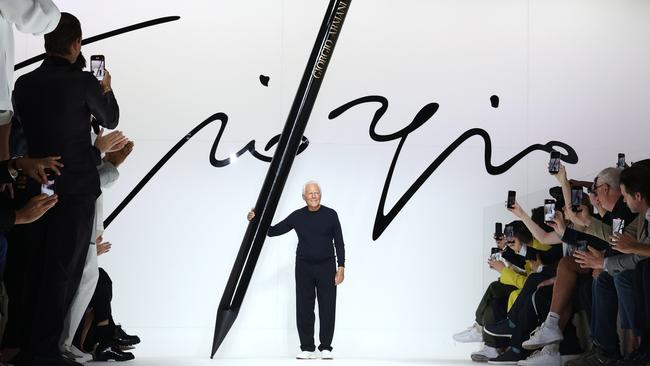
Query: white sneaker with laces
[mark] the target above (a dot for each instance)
(306, 355)
(470, 335)
(543, 336)
(326, 355)
(547, 356)
(484, 354)
(75, 354)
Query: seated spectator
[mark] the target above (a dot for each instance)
(499, 296)
(98, 333)
(606, 288)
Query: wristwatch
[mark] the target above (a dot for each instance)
(11, 167)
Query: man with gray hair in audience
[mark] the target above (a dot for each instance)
(613, 287)
(320, 264)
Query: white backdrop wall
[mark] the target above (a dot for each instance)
(575, 71)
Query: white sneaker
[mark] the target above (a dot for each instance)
(326, 355)
(547, 356)
(484, 354)
(543, 336)
(471, 334)
(75, 354)
(306, 355)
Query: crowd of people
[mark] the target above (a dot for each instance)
(55, 161)
(580, 256)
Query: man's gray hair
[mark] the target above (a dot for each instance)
(304, 187)
(610, 176)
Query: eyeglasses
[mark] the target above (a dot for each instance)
(594, 188)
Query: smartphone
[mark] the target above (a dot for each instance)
(48, 188)
(511, 199)
(498, 230)
(621, 161)
(97, 66)
(549, 210)
(554, 162)
(576, 198)
(582, 245)
(617, 226)
(509, 231)
(494, 250)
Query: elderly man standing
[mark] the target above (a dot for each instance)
(320, 264)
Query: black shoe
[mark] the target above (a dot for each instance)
(122, 339)
(502, 329)
(640, 357)
(107, 353)
(595, 357)
(53, 361)
(509, 357)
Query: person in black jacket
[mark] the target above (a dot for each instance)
(55, 103)
(320, 265)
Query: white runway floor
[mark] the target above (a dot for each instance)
(153, 361)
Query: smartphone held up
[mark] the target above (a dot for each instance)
(549, 210)
(98, 66)
(576, 198)
(498, 231)
(554, 163)
(510, 203)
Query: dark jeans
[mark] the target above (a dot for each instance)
(610, 292)
(315, 280)
(642, 300)
(493, 308)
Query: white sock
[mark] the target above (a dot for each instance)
(552, 320)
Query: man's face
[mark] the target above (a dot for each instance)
(312, 196)
(606, 196)
(633, 201)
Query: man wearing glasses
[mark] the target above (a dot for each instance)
(613, 288)
(320, 265)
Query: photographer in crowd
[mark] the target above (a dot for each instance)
(609, 246)
(55, 103)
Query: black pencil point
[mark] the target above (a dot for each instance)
(225, 320)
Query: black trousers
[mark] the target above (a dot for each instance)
(101, 301)
(20, 275)
(100, 304)
(315, 280)
(64, 236)
(530, 286)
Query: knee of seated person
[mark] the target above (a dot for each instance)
(567, 264)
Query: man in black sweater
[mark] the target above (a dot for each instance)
(320, 266)
(55, 103)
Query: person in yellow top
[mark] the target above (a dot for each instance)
(512, 275)
(494, 305)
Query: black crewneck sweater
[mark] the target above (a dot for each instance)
(319, 234)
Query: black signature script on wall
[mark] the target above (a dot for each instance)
(382, 219)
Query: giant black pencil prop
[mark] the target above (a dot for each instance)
(286, 151)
